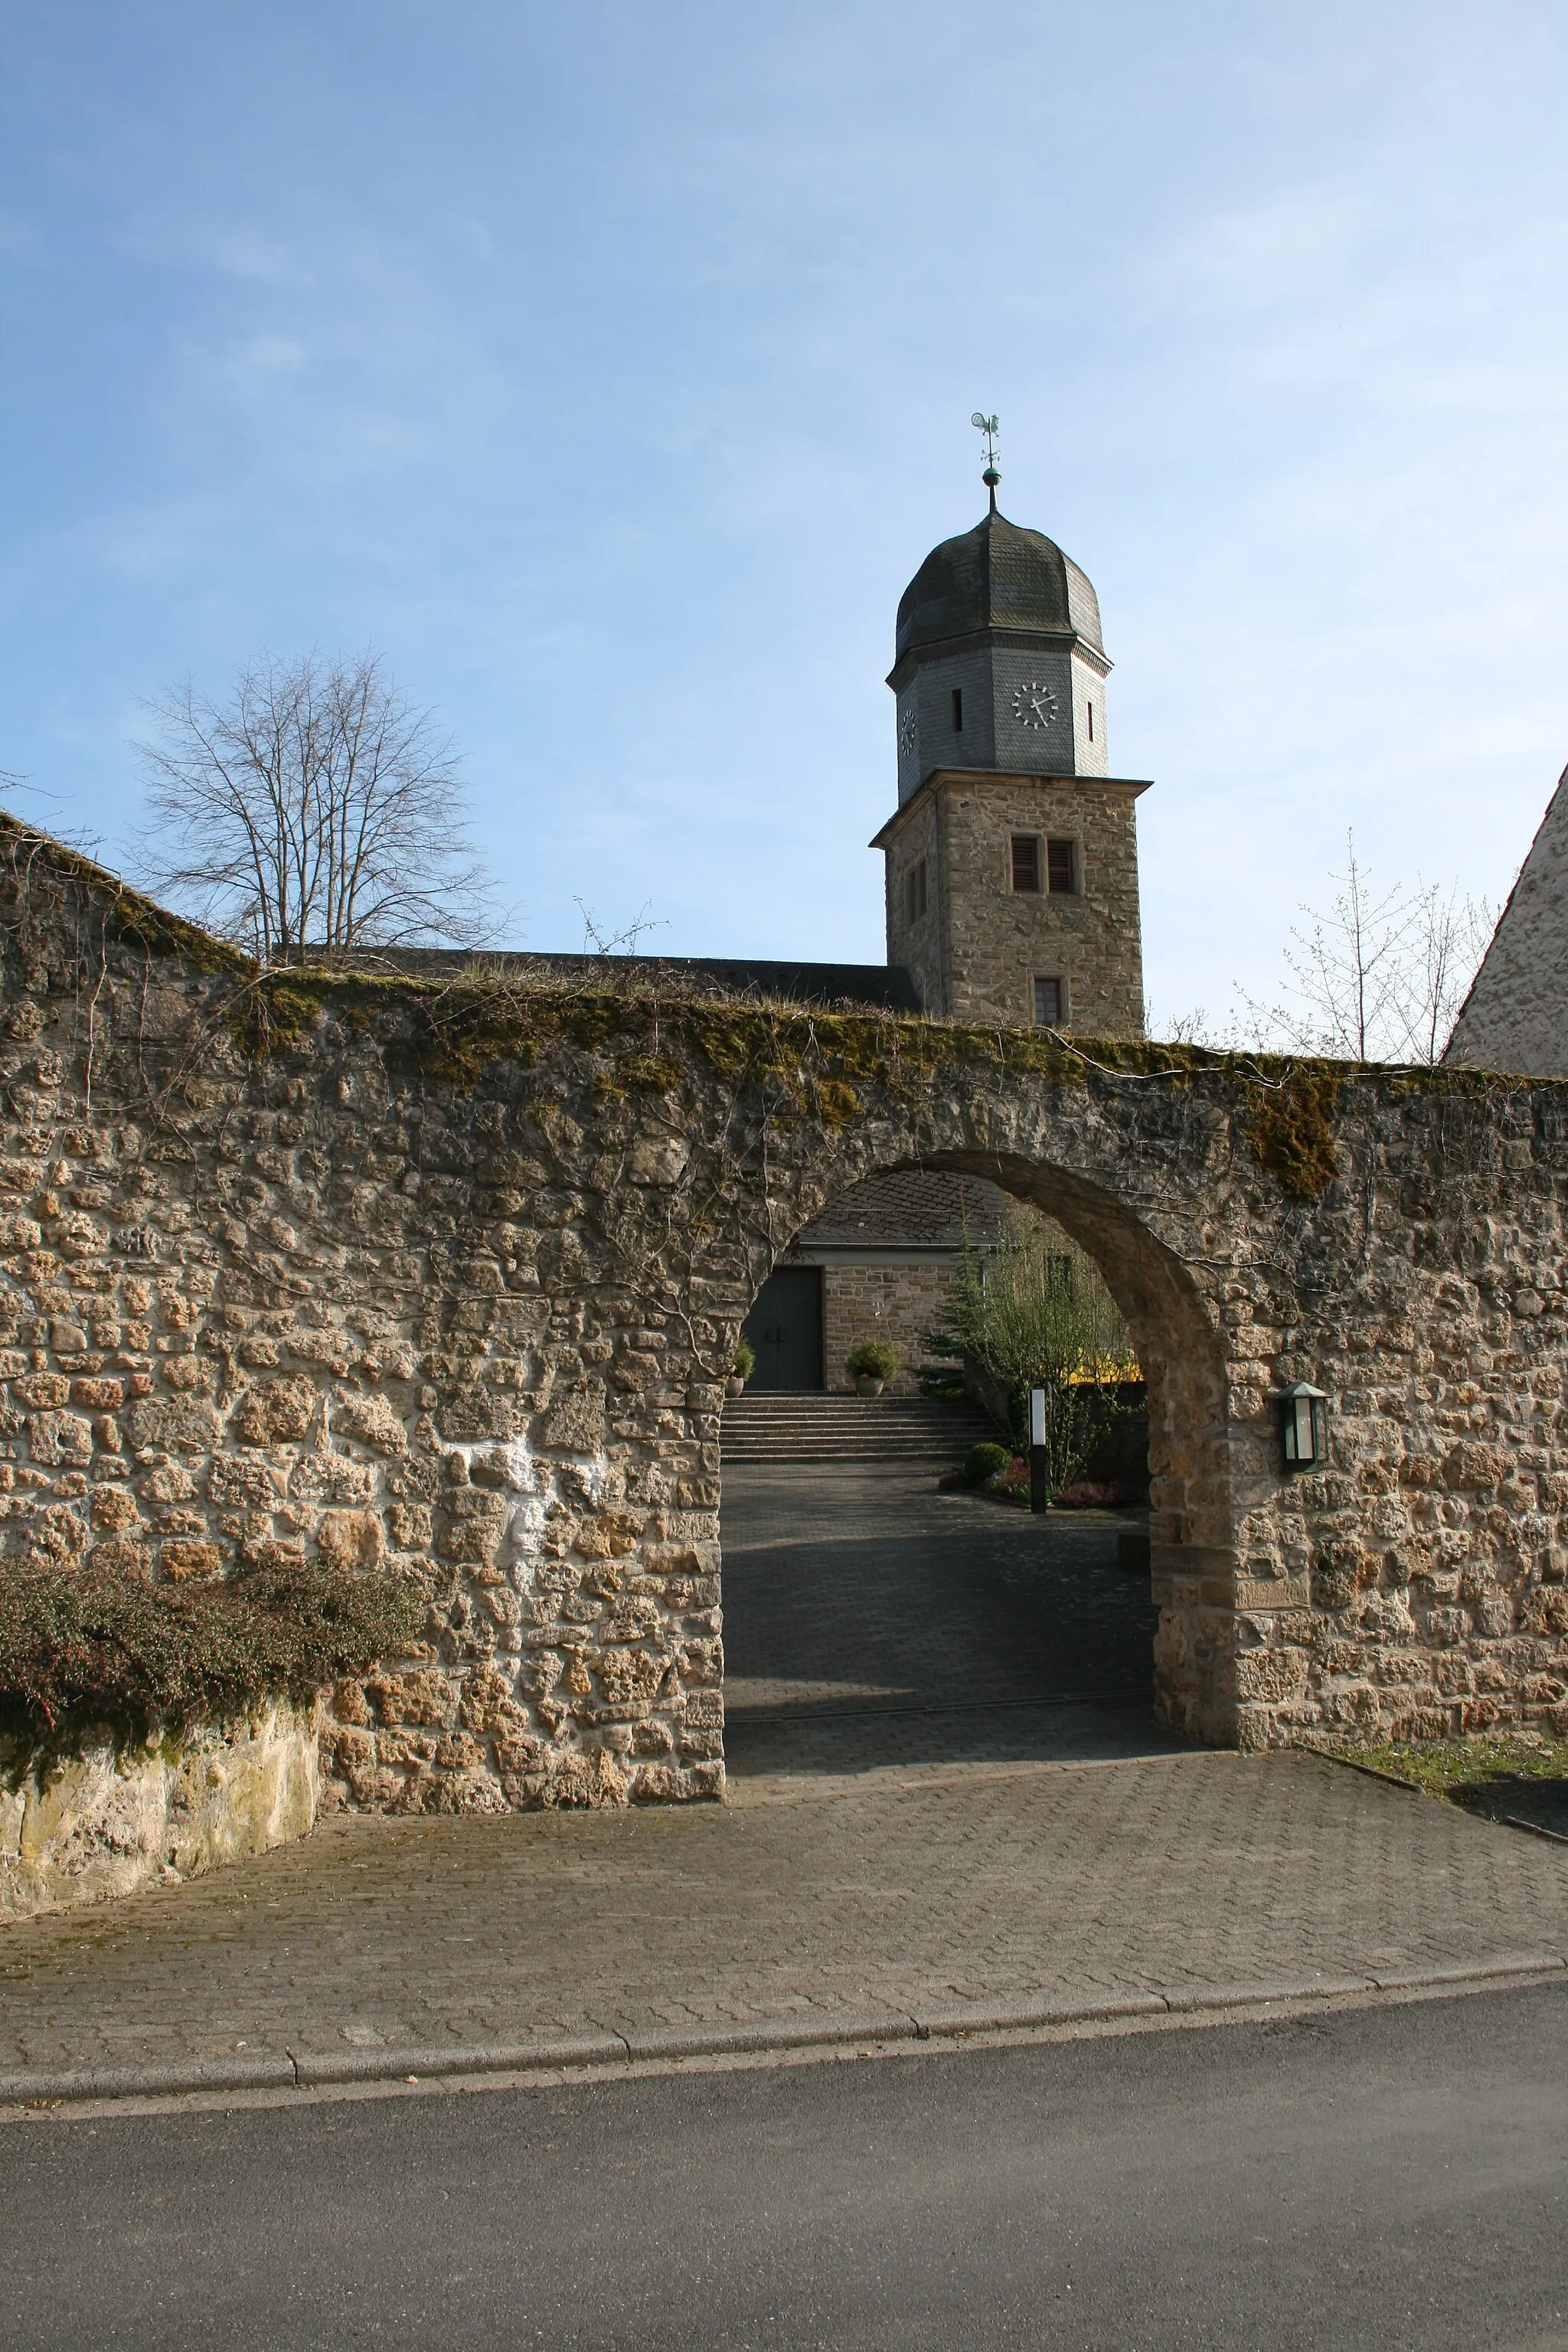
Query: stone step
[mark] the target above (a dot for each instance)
(843, 1400)
(858, 1421)
(803, 1450)
(822, 1426)
(852, 1416)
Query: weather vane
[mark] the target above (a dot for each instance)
(990, 426)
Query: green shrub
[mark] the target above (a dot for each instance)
(875, 1358)
(80, 1650)
(743, 1363)
(1035, 1311)
(984, 1461)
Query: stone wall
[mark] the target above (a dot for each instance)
(1516, 1014)
(449, 1276)
(881, 1302)
(916, 939)
(107, 1821)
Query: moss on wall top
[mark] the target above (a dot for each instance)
(126, 915)
(813, 1063)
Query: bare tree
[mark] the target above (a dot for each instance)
(314, 812)
(1452, 935)
(1379, 977)
(599, 939)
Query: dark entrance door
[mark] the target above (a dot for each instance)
(784, 1327)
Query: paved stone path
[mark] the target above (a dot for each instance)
(853, 1591)
(873, 1857)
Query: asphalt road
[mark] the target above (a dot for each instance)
(1390, 2178)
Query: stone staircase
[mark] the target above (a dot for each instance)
(778, 1427)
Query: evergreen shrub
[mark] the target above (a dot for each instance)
(80, 1650)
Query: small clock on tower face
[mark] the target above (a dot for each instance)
(906, 730)
(1034, 705)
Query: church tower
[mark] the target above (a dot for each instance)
(1012, 861)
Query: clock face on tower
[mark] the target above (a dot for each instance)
(1034, 705)
(906, 730)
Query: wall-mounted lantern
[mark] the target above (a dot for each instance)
(1304, 1426)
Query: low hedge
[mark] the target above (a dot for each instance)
(80, 1650)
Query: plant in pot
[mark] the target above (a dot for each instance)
(743, 1364)
(872, 1363)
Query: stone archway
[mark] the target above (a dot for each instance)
(1192, 1524)
(450, 1272)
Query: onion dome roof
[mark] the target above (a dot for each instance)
(996, 576)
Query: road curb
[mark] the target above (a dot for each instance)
(38, 2083)
(642, 2045)
(743, 2037)
(314, 2069)
(1019, 2015)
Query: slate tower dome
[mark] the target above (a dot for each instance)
(998, 659)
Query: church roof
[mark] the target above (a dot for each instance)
(996, 576)
(921, 1208)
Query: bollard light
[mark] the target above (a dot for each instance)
(1040, 1496)
(1304, 1426)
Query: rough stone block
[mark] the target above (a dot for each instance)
(373, 1421)
(350, 1538)
(187, 1558)
(274, 1411)
(60, 1437)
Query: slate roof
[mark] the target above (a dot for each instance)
(887, 987)
(997, 576)
(1516, 1014)
(910, 1207)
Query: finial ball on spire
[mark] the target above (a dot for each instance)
(990, 426)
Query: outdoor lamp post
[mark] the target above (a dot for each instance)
(1304, 1426)
(1039, 1500)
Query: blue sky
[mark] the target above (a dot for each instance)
(611, 368)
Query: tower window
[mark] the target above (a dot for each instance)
(1050, 1004)
(1026, 862)
(915, 891)
(958, 710)
(1060, 866)
(1092, 722)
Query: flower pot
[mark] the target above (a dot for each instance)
(735, 1384)
(868, 1384)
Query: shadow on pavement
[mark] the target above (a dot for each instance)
(871, 1620)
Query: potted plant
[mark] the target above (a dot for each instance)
(743, 1364)
(872, 1363)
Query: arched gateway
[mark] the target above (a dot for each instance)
(447, 1276)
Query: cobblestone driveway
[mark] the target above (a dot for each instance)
(870, 1620)
(873, 1856)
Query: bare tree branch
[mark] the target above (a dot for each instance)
(598, 940)
(314, 812)
(1375, 978)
